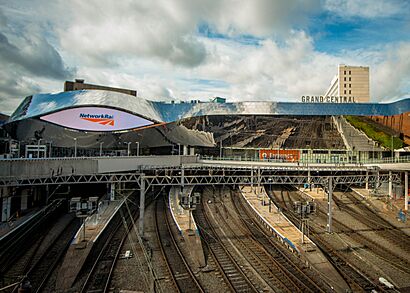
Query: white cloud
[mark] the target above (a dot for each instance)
(271, 71)
(390, 78)
(268, 71)
(155, 48)
(262, 17)
(364, 8)
(101, 31)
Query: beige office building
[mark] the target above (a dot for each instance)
(79, 84)
(351, 82)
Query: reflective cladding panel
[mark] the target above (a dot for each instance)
(96, 119)
(42, 104)
(175, 112)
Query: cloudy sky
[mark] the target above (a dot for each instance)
(186, 49)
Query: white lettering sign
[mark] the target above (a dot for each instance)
(328, 99)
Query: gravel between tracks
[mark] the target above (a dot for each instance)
(354, 250)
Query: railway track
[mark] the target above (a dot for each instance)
(367, 241)
(98, 277)
(255, 255)
(358, 280)
(45, 265)
(180, 273)
(375, 224)
(291, 272)
(237, 278)
(37, 266)
(26, 236)
(371, 219)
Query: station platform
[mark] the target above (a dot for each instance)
(186, 225)
(291, 236)
(182, 217)
(81, 246)
(97, 222)
(7, 227)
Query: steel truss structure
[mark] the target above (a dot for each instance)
(210, 176)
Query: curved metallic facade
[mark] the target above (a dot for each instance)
(32, 118)
(42, 104)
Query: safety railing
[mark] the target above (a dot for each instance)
(388, 160)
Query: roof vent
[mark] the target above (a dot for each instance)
(79, 80)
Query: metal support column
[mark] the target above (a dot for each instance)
(329, 213)
(142, 205)
(112, 191)
(252, 179)
(181, 191)
(259, 185)
(6, 212)
(406, 190)
(367, 180)
(390, 185)
(377, 180)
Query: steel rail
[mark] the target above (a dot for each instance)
(184, 285)
(238, 281)
(288, 266)
(350, 272)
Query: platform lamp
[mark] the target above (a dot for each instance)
(101, 143)
(138, 148)
(75, 147)
(38, 147)
(49, 150)
(128, 148)
(220, 150)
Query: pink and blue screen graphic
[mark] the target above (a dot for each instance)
(96, 119)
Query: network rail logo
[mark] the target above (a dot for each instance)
(104, 119)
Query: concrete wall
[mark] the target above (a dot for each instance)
(120, 164)
(47, 167)
(55, 167)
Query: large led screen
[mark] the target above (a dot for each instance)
(96, 119)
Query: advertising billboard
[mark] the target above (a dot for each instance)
(279, 155)
(96, 119)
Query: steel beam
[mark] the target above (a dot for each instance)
(329, 204)
(406, 191)
(142, 206)
(201, 177)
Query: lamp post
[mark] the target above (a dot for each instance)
(75, 147)
(38, 148)
(392, 149)
(9, 147)
(49, 150)
(19, 149)
(138, 148)
(101, 143)
(128, 148)
(220, 150)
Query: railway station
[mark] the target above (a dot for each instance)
(105, 191)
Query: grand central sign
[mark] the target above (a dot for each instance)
(327, 99)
